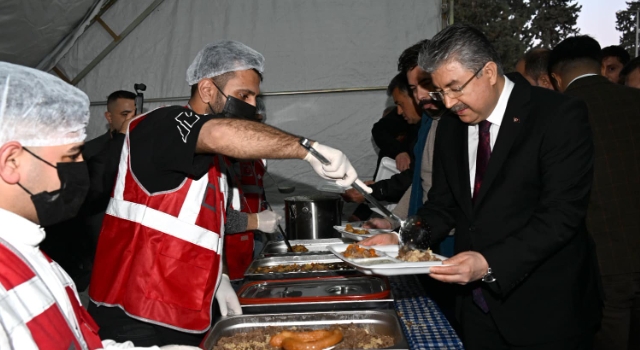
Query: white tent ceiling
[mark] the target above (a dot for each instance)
(308, 45)
(32, 29)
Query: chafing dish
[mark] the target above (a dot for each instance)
(316, 294)
(384, 322)
(252, 275)
(315, 246)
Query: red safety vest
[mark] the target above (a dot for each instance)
(238, 247)
(36, 320)
(158, 256)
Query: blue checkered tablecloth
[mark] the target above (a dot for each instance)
(424, 325)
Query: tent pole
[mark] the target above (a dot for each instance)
(115, 42)
(275, 93)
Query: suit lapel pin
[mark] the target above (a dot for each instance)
(516, 120)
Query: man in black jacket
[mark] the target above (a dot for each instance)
(75, 239)
(512, 173)
(612, 219)
(392, 190)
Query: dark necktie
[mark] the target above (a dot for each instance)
(482, 159)
(483, 155)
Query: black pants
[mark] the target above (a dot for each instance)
(117, 325)
(620, 328)
(479, 332)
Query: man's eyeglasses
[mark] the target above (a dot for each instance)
(453, 92)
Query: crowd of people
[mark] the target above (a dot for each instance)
(541, 207)
(529, 180)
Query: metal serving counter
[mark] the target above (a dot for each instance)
(398, 307)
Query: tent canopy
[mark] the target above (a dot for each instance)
(308, 45)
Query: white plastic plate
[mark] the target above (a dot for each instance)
(359, 237)
(386, 264)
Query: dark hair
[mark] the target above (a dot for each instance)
(220, 81)
(120, 94)
(575, 51)
(409, 57)
(616, 51)
(536, 62)
(462, 43)
(399, 82)
(629, 67)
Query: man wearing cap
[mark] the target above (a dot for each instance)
(158, 264)
(43, 181)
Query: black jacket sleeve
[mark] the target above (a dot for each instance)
(392, 189)
(385, 133)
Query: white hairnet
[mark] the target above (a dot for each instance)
(223, 57)
(39, 109)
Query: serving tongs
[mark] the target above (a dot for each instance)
(413, 233)
(307, 145)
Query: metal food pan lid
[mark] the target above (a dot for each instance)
(309, 290)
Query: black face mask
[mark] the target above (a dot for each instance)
(236, 108)
(64, 203)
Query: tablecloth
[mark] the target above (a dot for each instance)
(424, 325)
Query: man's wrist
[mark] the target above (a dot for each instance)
(489, 277)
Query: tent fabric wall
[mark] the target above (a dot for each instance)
(32, 29)
(308, 44)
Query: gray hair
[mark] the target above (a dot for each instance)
(462, 43)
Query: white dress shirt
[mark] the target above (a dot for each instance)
(495, 118)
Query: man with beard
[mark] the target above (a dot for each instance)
(395, 134)
(158, 270)
(512, 174)
(411, 185)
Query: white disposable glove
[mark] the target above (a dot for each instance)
(227, 298)
(339, 169)
(268, 221)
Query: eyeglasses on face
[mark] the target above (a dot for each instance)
(454, 92)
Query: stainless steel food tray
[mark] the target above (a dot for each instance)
(380, 304)
(315, 246)
(251, 275)
(375, 321)
(316, 294)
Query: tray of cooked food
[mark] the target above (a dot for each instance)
(315, 294)
(298, 266)
(362, 329)
(387, 260)
(301, 246)
(358, 233)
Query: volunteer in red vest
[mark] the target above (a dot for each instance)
(43, 181)
(158, 267)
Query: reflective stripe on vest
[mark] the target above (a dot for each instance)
(182, 227)
(159, 255)
(29, 312)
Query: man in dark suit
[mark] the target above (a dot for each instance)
(612, 219)
(512, 173)
(75, 240)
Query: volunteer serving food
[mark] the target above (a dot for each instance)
(158, 262)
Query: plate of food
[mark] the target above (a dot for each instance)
(387, 260)
(358, 233)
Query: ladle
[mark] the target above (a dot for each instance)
(284, 234)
